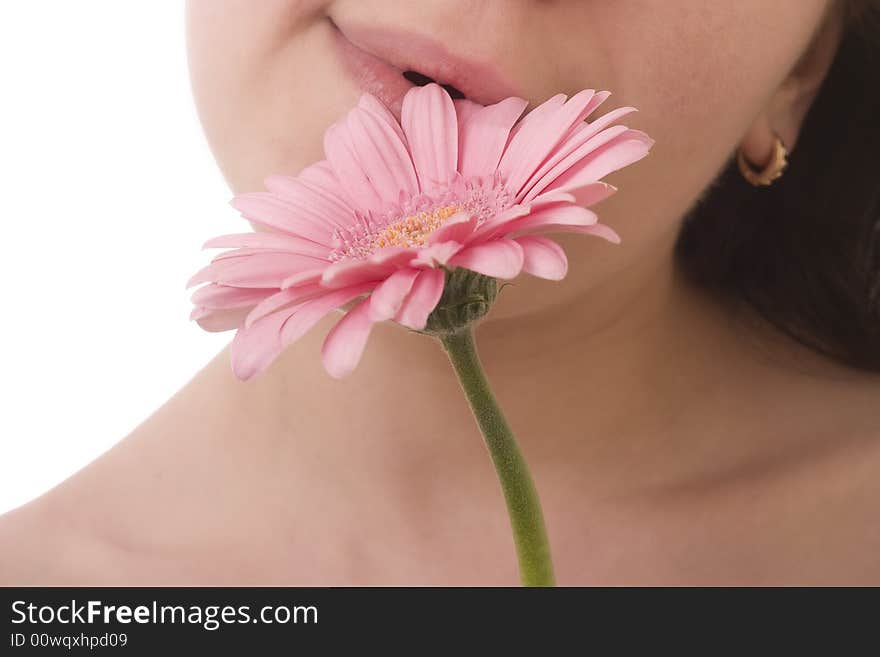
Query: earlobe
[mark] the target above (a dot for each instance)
(770, 172)
(757, 144)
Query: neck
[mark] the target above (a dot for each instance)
(639, 385)
(574, 376)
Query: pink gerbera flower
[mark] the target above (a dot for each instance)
(396, 206)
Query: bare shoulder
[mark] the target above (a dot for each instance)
(55, 540)
(34, 547)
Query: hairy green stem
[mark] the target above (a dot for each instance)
(523, 506)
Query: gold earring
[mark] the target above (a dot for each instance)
(770, 173)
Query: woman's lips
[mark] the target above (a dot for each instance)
(376, 60)
(371, 74)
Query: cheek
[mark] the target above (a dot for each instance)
(263, 96)
(699, 71)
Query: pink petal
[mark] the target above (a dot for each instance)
(537, 140)
(431, 129)
(534, 214)
(625, 147)
(493, 226)
(240, 254)
(593, 128)
(255, 270)
(267, 270)
(551, 218)
(375, 268)
(388, 296)
(198, 312)
(458, 228)
(383, 157)
(324, 206)
(374, 105)
(543, 257)
(278, 214)
(216, 321)
(320, 176)
(540, 113)
(464, 110)
(499, 259)
(282, 298)
(218, 297)
(575, 142)
(598, 98)
(554, 197)
(303, 277)
(344, 344)
(426, 292)
(599, 230)
(483, 134)
(305, 315)
(341, 153)
(254, 348)
(567, 157)
(435, 255)
(269, 241)
(584, 196)
(589, 194)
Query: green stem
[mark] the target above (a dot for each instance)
(523, 506)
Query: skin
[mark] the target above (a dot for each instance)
(672, 440)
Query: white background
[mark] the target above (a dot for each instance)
(107, 191)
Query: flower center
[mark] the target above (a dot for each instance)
(410, 224)
(415, 229)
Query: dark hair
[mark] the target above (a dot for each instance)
(805, 252)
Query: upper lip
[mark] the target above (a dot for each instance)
(479, 81)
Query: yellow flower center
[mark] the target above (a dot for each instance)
(410, 223)
(414, 230)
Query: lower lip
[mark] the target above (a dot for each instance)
(372, 75)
